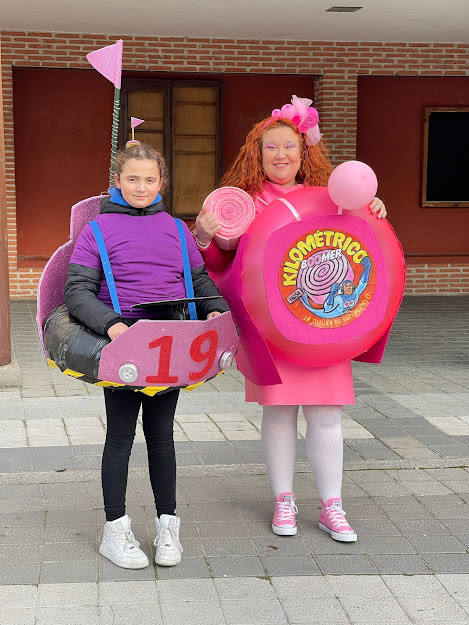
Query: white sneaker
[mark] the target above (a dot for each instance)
(120, 545)
(168, 548)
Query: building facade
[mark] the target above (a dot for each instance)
(371, 98)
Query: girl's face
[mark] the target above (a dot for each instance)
(139, 181)
(281, 155)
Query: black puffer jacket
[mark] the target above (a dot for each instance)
(83, 283)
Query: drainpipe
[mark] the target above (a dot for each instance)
(5, 340)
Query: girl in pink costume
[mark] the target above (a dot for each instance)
(282, 153)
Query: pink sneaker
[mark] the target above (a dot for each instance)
(332, 520)
(284, 521)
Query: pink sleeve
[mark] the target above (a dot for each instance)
(216, 259)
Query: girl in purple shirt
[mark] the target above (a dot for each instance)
(144, 250)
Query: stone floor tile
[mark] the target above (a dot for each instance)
(457, 526)
(426, 488)
(216, 512)
(345, 564)
(145, 614)
(186, 590)
(193, 612)
(235, 566)
(128, 593)
(361, 587)
(61, 552)
(71, 518)
(456, 584)
(76, 534)
(280, 545)
(423, 610)
(251, 611)
(109, 572)
(406, 511)
(414, 585)
(386, 609)
(193, 548)
(20, 574)
(362, 511)
(21, 535)
(383, 489)
(223, 530)
(446, 510)
(229, 547)
(72, 571)
(18, 596)
(385, 545)
(375, 528)
(321, 543)
(437, 544)
(20, 554)
(399, 564)
(190, 568)
(448, 562)
(309, 610)
(17, 616)
(76, 615)
(241, 588)
(67, 594)
(291, 587)
(421, 527)
(290, 565)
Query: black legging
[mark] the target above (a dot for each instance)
(122, 408)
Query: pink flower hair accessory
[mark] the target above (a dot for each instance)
(303, 115)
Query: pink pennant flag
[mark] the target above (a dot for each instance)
(135, 121)
(108, 62)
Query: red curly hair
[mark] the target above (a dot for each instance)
(247, 173)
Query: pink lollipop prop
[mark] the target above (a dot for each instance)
(234, 210)
(352, 185)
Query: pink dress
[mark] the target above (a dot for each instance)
(332, 385)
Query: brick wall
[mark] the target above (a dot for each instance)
(427, 278)
(337, 63)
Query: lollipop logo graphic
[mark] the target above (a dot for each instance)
(326, 278)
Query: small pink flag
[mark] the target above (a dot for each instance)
(108, 62)
(135, 121)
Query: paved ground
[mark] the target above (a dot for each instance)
(406, 491)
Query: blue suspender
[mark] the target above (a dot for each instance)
(187, 270)
(110, 278)
(106, 266)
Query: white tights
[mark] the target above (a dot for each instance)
(324, 446)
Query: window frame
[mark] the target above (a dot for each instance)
(166, 85)
(423, 195)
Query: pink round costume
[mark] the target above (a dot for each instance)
(300, 385)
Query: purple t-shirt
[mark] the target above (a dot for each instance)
(145, 256)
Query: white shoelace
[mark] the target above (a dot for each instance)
(285, 510)
(167, 538)
(337, 515)
(128, 540)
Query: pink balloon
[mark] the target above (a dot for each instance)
(352, 185)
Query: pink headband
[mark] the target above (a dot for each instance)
(303, 115)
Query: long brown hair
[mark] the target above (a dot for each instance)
(247, 173)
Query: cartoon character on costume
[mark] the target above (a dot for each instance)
(342, 296)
